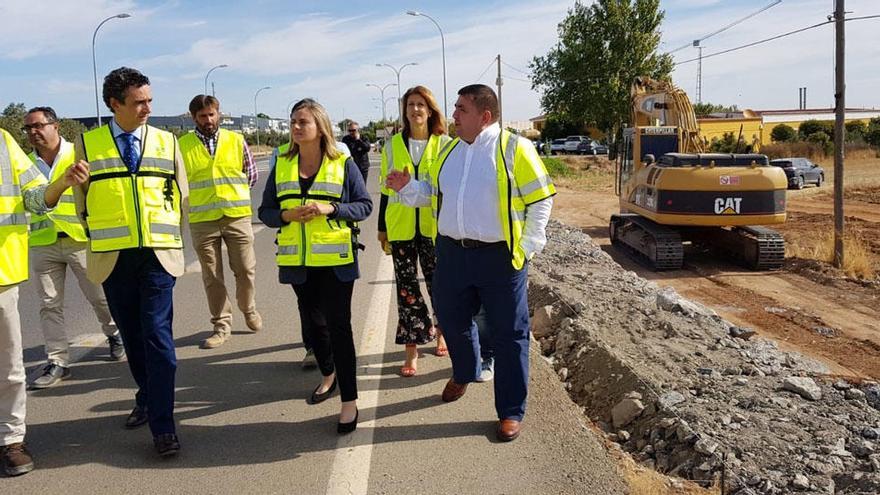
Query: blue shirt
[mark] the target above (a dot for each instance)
(120, 141)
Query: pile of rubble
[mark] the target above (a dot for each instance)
(690, 394)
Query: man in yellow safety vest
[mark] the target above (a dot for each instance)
(220, 172)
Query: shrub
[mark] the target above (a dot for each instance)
(809, 127)
(556, 167)
(728, 143)
(804, 149)
(783, 133)
(855, 130)
(872, 136)
(822, 139)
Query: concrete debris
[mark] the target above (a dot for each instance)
(679, 387)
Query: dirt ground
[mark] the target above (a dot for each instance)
(809, 305)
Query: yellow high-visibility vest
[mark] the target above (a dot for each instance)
(17, 174)
(321, 241)
(126, 210)
(522, 180)
(400, 220)
(218, 186)
(44, 228)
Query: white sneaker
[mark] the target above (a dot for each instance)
(487, 372)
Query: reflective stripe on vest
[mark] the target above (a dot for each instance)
(218, 186)
(321, 241)
(128, 210)
(400, 220)
(44, 228)
(519, 171)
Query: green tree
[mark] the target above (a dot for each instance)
(855, 130)
(557, 126)
(783, 133)
(262, 115)
(810, 127)
(872, 136)
(729, 143)
(704, 109)
(602, 48)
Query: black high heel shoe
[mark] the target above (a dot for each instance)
(346, 428)
(321, 397)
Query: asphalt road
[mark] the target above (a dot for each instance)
(245, 426)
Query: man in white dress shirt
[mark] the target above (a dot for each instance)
(492, 198)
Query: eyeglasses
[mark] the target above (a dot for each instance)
(36, 126)
(352, 131)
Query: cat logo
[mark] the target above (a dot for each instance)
(727, 206)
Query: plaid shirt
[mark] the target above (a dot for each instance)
(248, 168)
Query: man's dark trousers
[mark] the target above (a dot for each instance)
(464, 279)
(139, 293)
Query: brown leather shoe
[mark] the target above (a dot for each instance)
(453, 391)
(508, 430)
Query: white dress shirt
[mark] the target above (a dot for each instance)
(48, 168)
(469, 185)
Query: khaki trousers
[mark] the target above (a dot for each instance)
(238, 235)
(49, 264)
(12, 386)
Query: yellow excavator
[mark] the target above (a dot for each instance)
(672, 193)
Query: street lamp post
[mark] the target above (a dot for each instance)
(443, 51)
(397, 72)
(256, 119)
(384, 102)
(382, 94)
(222, 66)
(95, 61)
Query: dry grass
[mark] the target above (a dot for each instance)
(858, 261)
(643, 481)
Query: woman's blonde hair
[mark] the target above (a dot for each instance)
(325, 129)
(436, 122)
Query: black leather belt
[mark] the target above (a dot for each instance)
(62, 234)
(473, 243)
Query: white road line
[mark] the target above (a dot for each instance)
(351, 466)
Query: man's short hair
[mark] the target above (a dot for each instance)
(352, 122)
(48, 112)
(200, 102)
(483, 97)
(117, 82)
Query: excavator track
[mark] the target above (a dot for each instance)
(769, 250)
(654, 243)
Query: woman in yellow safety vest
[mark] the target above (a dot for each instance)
(407, 232)
(314, 195)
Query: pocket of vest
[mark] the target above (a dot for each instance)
(334, 244)
(163, 223)
(109, 228)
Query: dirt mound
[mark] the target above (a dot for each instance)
(690, 394)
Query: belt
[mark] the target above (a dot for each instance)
(473, 243)
(62, 234)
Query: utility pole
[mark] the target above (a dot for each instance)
(839, 128)
(499, 82)
(699, 71)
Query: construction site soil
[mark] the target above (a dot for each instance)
(766, 378)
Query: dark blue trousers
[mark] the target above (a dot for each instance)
(465, 279)
(139, 293)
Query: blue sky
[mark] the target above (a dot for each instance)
(328, 50)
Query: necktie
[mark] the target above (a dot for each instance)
(130, 152)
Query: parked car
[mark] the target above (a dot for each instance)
(572, 143)
(557, 146)
(800, 171)
(592, 147)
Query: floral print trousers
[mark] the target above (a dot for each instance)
(413, 321)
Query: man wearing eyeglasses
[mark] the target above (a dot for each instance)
(359, 147)
(57, 241)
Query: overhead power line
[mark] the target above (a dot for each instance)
(772, 38)
(516, 69)
(696, 42)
